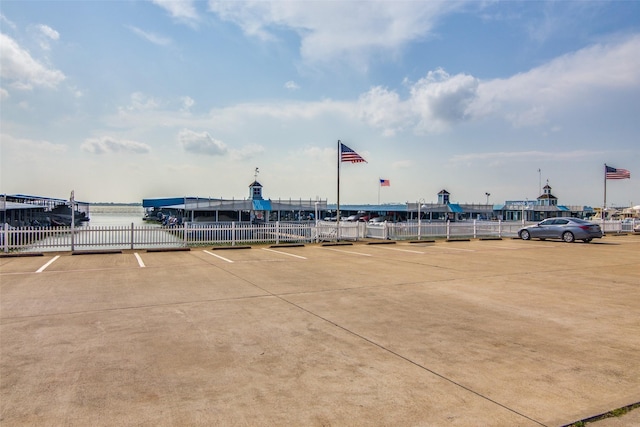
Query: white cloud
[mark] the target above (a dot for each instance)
(435, 102)
(142, 102)
(440, 99)
(330, 30)
(382, 108)
(44, 35)
(528, 98)
(187, 103)
(526, 156)
(3, 93)
(25, 145)
(107, 144)
(7, 22)
(22, 71)
(151, 37)
(49, 32)
(183, 10)
(291, 85)
(249, 152)
(201, 143)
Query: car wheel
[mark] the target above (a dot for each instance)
(568, 237)
(524, 235)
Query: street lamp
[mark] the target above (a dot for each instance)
(487, 194)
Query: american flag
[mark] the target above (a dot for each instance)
(348, 155)
(385, 182)
(613, 173)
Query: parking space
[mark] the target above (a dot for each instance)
(449, 333)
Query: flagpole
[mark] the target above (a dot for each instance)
(338, 204)
(379, 185)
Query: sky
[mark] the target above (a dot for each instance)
(125, 100)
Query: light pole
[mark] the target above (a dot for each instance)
(487, 194)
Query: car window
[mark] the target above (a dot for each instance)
(547, 222)
(561, 221)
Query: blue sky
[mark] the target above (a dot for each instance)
(125, 100)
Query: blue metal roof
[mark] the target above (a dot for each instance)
(454, 207)
(563, 208)
(162, 203)
(261, 205)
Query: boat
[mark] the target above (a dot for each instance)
(60, 216)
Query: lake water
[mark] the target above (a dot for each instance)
(105, 215)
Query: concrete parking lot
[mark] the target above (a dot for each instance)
(491, 333)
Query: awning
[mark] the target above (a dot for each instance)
(455, 208)
(14, 206)
(563, 208)
(261, 205)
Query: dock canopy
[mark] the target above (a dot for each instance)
(455, 208)
(261, 205)
(164, 202)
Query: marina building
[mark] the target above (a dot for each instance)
(256, 208)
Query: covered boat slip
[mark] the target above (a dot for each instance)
(19, 210)
(196, 209)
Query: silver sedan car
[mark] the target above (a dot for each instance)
(567, 229)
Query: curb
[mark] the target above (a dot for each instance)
(169, 250)
(21, 254)
(99, 252)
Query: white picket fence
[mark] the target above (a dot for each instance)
(36, 239)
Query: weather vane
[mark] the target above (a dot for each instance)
(255, 174)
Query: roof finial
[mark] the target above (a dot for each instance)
(255, 174)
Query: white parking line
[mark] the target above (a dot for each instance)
(284, 253)
(348, 252)
(51, 261)
(484, 245)
(217, 256)
(140, 262)
(451, 249)
(400, 250)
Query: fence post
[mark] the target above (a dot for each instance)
(448, 235)
(277, 232)
(315, 230)
(233, 233)
(184, 234)
(131, 236)
(474, 229)
(499, 228)
(5, 237)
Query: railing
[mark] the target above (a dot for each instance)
(37, 239)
